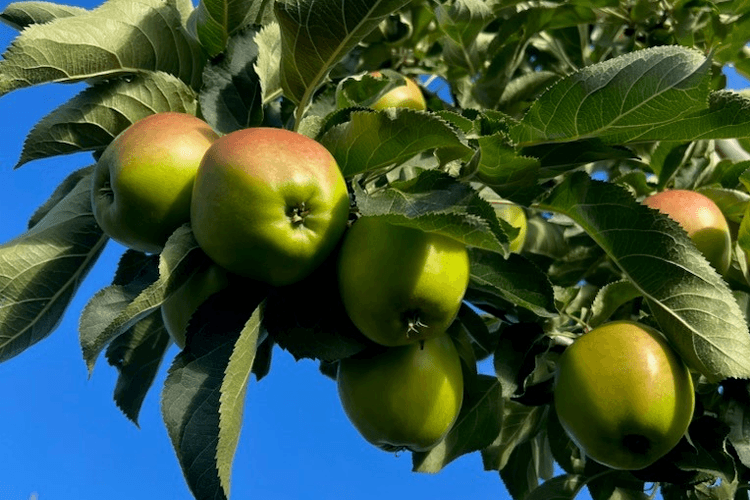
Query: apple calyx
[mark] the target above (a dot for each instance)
(297, 213)
(413, 323)
(636, 443)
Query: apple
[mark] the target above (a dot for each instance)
(703, 221)
(516, 217)
(623, 395)
(399, 284)
(404, 96)
(403, 397)
(143, 181)
(268, 204)
(179, 307)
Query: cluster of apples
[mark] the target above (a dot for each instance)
(271, 205)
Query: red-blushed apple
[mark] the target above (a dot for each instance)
(703, 221)
(143, 181)
(269, 204)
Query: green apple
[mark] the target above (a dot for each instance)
(179, 307)
(404, 96)
(623, 395)
(403, 397)
(516, 217)
(400, 284)
(269, 204)
(703, 221)
(144, 179)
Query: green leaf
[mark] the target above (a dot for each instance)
(231, 94)
(137, 355)
(374, 140)
(268, 64)
(511, 176)
(565, 487)
(120, 37)
(477, 425)
(41, 270)
(317, 34)
(463, 20)
(20, 15)
(609, 298)
(218, 20)
(519, 424)
(115, 309)
(197, 407)
(620, 100)
(515, 280)
(436, 202)
(233, 390)
(90, 120)
(692, 304)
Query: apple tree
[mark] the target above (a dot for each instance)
(542, 129)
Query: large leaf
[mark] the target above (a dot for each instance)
(20, 15)
(620, 100)
(121, 37)
(316, 34)
(692, 304)
(41, 270)
(218, 20)
(203, 396)
(90, 120)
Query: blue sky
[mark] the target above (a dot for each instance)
(62, 437)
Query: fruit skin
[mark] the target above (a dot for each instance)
(177, 310)
(623, 395)
(400, 284)
(403, 96)
(516, 217)
(403, 397)
(144, 179)
(269, 204)
(703, 221)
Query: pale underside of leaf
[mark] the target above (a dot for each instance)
(41, 270)
(121, 37)
(90, 120)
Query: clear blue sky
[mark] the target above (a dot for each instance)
(62, 437)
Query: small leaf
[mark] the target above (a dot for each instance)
(374, 140)
(436, 202)
(692, 304)
(137, 355)
(477, 425)
(20, 15)
(620, 100)
(120, 37)
(218, 20)
(116, 308)
(90, 120)
(269, 61)
(511, 176)
(519, 423)
(315, 35)
(41, 270)
(515, 280)
(565, 487)
(231, 94)
(609, 298)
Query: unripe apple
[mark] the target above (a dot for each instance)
(179, 307)
(404, 96)
(516, 217)
(144, 179)
(269, 204)
(399, 284)
(623, 395)
(403, 397)
(703, 221)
